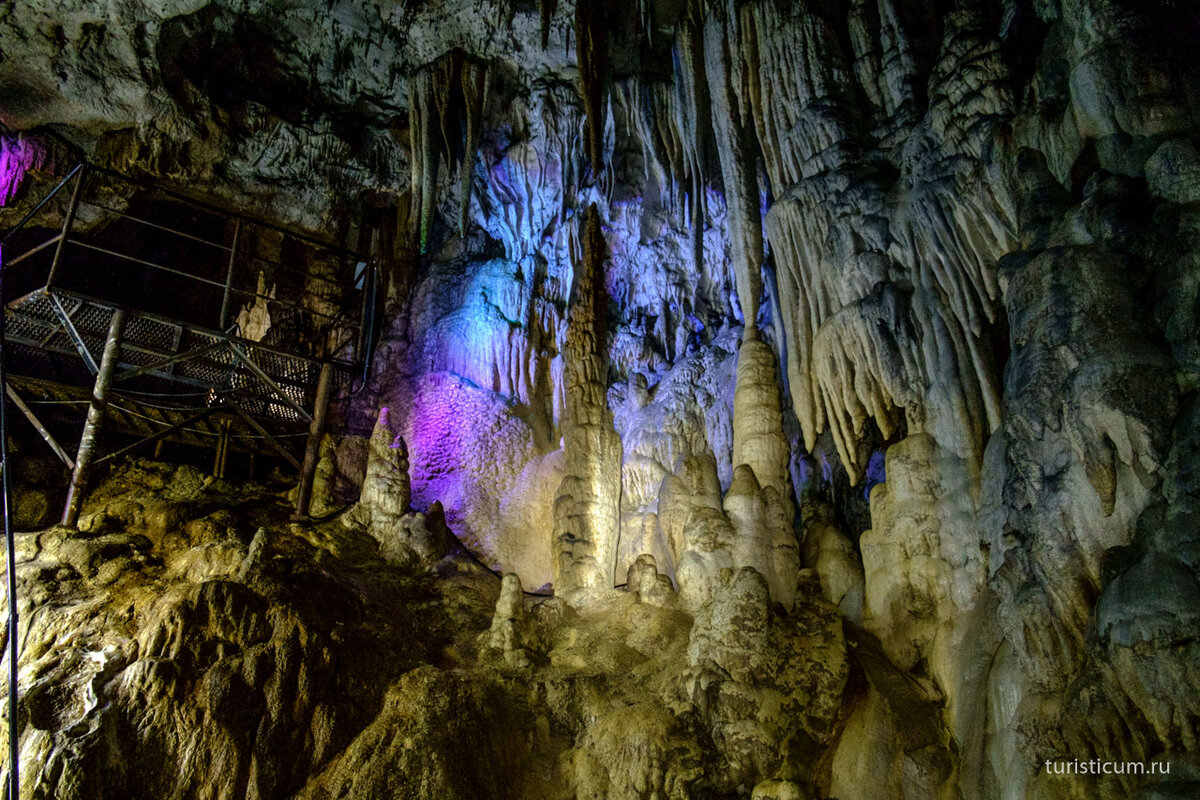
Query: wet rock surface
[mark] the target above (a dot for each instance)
(859, 339)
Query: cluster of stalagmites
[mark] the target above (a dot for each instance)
(383, 510)
(671, 314)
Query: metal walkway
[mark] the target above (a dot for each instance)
(160, 318)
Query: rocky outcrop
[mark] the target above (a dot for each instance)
(858, 338)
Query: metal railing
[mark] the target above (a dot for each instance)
(151, 249)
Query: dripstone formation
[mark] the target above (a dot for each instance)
(821, 377)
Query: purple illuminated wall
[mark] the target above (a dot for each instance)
(18, 155)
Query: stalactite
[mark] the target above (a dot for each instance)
(448, 99)
(696, 119)
(593, 21)
(734, 141)
(587, 504)
(476, 79)
(424, 156)
(547, 9)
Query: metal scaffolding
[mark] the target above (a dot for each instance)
(172, 320)
(157, 317)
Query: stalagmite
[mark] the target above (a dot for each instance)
(758, 439)
(405, 536)
(587, 505)
(507, 635)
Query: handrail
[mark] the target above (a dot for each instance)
(127, 215)
(189, 326)
(25, 220)
(146, 263)
(215, 209)
(282, 266)
(12, 262)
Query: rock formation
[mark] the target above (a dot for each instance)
(859, 339)
(383, 509)
(587, 504)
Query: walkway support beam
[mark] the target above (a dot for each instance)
(95, 419)
(312, 450)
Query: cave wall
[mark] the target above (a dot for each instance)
(896, 299)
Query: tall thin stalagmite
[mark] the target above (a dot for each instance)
(587, 504)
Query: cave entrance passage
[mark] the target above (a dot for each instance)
(170, 319)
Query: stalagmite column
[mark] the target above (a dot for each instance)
(386, 490)
(759, 503)
(758, 439)
(587, 505)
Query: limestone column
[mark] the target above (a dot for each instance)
(587, 510)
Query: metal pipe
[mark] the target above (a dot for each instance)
(41, 428)
(68, 221)
(151, 264)
(224, 319)
(73, 332)
(366, 325)
(95, 419)
(25, 219)
(34, 251)
(224, 212)
(312, 450)
(10, 553)
(159, 436)
(148, 223)
(221, 455)
(266, 435)
(258, 372)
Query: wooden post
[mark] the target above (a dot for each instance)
(68, 221)
(312, 450)
(95, 419)
(221, 459)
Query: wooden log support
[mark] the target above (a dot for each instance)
(312, 450)
(221, 457)
(95, 419)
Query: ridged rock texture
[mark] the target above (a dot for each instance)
(823, 377)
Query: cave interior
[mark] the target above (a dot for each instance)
(628, 399)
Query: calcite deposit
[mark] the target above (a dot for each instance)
(770, 400)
